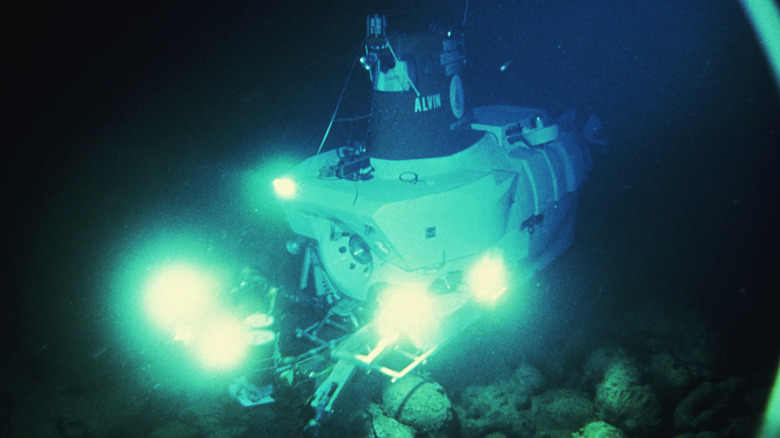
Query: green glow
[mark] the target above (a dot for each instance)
(771, 422)
(181, 298)
(765, 18)
(179, 295)
(410, 312)
(168, 312)
(221, 343)
(260, 192)
(285, 187)
(488, 279)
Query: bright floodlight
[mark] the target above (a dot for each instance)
(220, 344)
(410, 312)
(488, 279)
(178, 295)
(284, 187)
(182, 299)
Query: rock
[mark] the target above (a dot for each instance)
(416, 402)
(623, 402)
(373, 423)
(528, 380)
(493, 408)
(501, 407)
(707, 407)
(377, 425)
(386, 427)
(670, 376)
(598, 429)
(562, 409)
(598, 362)
(480, 401)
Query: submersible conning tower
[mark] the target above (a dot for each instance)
(449, 206)
(419, 102)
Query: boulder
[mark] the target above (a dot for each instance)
(622, 401)
(708, 406)
(562, 409)
(528, 380)
(670, 375)
(372, 423)
(417, 402)
(598, 362)
(598, 429)
(494, 408)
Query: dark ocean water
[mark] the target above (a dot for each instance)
(128, 123)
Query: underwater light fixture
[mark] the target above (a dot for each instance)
(178, 294)
(182, 299)
(368, 61)
(285, 187)
(221, 344)
(488, 279)
(408, 311)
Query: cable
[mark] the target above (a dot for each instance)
(330, 125)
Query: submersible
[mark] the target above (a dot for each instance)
(415, 230)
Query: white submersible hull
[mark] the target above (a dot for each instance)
(438, 213)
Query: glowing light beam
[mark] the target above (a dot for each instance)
(221, 343)
(488, 279)
(408, 311)
(285, 187)
(178, 295)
